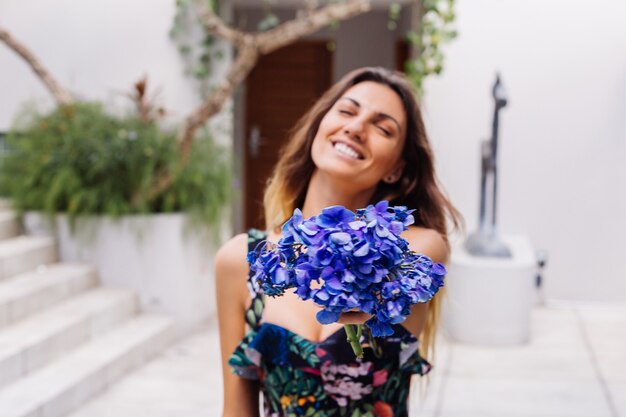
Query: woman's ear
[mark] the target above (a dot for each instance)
(396, 173)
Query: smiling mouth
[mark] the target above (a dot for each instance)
(347, 150)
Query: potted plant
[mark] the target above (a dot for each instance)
(85, 176)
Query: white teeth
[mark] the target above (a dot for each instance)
(346, 150)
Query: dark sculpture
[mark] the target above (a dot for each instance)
(485, 242)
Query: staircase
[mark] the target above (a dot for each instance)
(63, 337)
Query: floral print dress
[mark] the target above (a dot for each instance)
(299, 377)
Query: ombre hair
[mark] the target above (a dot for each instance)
(418, 188)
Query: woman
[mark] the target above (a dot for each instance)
(362, 142)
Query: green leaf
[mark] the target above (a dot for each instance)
(269, 21)
(251, 318)
(201, 72)
(258, 307)
(395, 9)
(413, 37)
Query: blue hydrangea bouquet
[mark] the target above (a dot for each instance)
(355, 261)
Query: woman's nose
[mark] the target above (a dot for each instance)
(355, 129)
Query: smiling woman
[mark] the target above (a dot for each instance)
(358, 132)
(362, 142)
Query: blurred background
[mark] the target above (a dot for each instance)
(562, 144)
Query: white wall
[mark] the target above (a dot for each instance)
(97, 49)
(563, 137)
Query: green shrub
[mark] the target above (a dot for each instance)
(82, 161)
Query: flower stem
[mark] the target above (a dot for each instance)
(374, 344)
(354, 337)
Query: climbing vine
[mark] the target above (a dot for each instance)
(196, 45)
(436, 28)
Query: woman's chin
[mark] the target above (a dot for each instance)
(350, 179)
(335, 171)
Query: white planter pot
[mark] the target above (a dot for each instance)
(488, 300)
(156, 256)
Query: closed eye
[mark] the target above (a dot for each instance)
(385, 131)
(346, 112)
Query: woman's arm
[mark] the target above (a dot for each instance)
(241, 396)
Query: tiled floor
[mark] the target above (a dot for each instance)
(575, 365)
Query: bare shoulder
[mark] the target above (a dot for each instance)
(232, 251)
(428, 242)
(230, 260)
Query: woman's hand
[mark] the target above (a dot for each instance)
(349, 319)
(354, 317)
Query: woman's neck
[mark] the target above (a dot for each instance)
(324, 192)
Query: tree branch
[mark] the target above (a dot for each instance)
(250, 46)
(213, 24)
(292, 30)
(59, 93)
(247, 57)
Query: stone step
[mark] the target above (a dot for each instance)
(9, 226)
(31, 292)
(37, 341)
(185, 380)
(64, 385)
(25, 253)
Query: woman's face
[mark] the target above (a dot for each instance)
(362, 136)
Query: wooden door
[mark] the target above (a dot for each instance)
(280, 89)
(403, 53)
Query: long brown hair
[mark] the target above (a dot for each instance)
(418, 188)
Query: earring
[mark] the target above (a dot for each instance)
(390, 179)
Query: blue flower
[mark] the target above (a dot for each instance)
(333, 216)
(290, 228)
(379, 328)
(404, 216)
(327, 317)
(358, 260)
(396, 310)
(378, 214)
